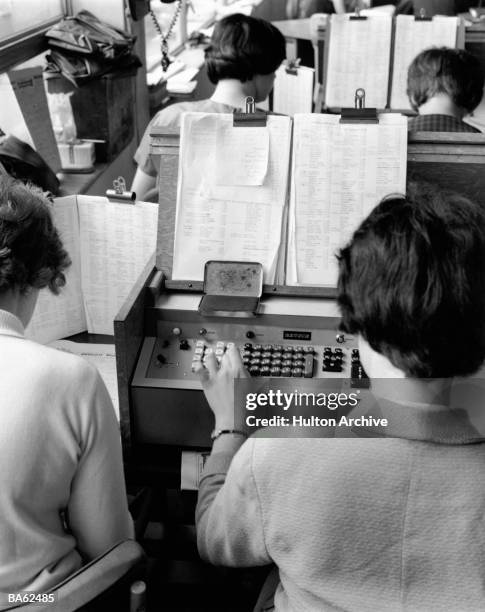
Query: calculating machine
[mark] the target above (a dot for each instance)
(163, 331)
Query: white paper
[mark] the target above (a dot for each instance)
(293, 93)
(58, 316)
(11, 118)
(411, 38)
(240, 223)
(359, 57)
(192, 466)
(242, 155)
(117, 242)
(340, 172)
(103, 357)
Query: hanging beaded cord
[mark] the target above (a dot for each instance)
(165, 61)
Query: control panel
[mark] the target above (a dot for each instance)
(168, 405)
(178, 350)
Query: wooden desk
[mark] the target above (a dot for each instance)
(453, 161)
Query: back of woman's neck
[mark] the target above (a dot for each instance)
(231, 92)
(441, 104)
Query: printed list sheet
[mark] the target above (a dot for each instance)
(340, 172)
(358, 57)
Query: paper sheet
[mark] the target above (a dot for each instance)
(240, 223)
(293, 93)
(242, 155)
(103, 357)
(28, 85)
(340, 172)
(192, 466)
(359, 56)
(58, 316)
(411, 38)
(117, 241)
(11, 118)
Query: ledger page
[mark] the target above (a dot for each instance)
(293, 93)
(358, 57)
(340, 172)
(231, 222)
(59, 316)
(117, 242)
(411, 38)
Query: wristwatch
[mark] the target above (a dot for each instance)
(218, 432)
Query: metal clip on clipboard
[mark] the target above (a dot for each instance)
(251, 117)
(119, 192)
(422, 16)
(359, 114)
(292, 66)
(358, 16)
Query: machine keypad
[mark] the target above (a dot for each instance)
(287, 361)
(264, 360)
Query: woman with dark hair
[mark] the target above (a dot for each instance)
(63, 499)
(444, 85)
(241, 61)
(391, 519)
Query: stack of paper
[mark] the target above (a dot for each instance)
(231, 193)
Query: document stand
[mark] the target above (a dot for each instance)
(471, 38)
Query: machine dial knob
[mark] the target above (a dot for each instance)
(250, 334)
(340, 338)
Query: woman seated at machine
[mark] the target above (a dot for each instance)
(241, 61)
(356, 523)
(63, 499)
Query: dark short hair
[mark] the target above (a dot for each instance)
(242, 47)
(31, 252)
(442, 70)
(412, 282)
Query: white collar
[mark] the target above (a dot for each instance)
(10, 325)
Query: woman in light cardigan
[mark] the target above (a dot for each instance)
(63, 499)
(391, 520)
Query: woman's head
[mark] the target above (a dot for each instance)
(453, 72)
(31, 252)
(243, 47)
(412, 283)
